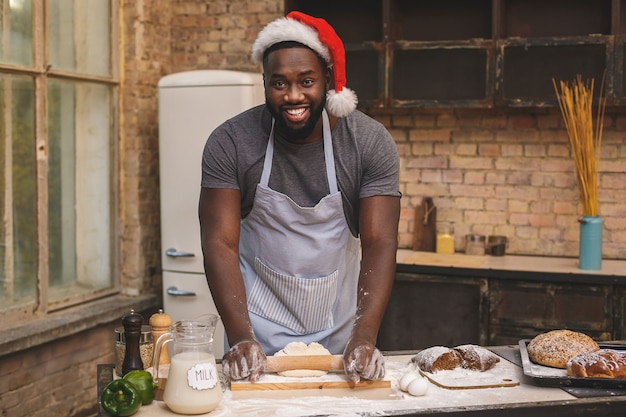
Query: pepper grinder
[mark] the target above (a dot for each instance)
(132, 333)
(160, 323)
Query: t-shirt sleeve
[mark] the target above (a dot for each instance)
(219, 165)
(381, 164)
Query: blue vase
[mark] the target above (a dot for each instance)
(590, 256)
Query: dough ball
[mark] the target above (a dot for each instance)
(418, 387)
(302, 349)
(407, 379)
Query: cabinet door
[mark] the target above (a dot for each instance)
(426, 310)
(521, 310)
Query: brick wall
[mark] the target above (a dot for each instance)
(58, 379)
(217, 34)
(508, 173)
(146, 42)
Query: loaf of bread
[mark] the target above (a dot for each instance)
(477, 358)
(441, 358)
(556, 347)
(603, 363)
(437, 358)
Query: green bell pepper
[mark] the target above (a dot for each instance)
(142, 380)
(120, 398)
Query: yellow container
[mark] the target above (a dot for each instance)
(445, 239)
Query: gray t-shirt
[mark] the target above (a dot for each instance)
(366, 160)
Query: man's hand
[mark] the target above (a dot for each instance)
(245, 359)
(363, 360)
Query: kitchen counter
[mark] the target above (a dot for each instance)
(522, 400)
(510, 266)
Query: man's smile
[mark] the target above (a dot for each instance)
(296, 115)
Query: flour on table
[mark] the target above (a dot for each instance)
(302, 349)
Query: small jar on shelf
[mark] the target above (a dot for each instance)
(445, 238)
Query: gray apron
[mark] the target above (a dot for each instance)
(300, 265)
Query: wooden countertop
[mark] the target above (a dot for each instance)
(525, 266)
(523, 400)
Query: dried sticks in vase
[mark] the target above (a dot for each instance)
(576, 104)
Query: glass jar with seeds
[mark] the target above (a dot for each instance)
(146, 347)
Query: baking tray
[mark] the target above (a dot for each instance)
(553, 377)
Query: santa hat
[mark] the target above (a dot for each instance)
(318, 35)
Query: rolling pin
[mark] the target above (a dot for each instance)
(330, 363)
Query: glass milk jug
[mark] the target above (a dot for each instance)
(193, 385)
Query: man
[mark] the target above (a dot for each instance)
(290, 197)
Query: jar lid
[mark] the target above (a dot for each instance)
(146, 334)
(474, 238)
(445, 228)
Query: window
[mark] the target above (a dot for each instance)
(58, 89)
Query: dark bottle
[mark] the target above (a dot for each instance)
(132, 333)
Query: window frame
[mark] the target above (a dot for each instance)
(41, 71)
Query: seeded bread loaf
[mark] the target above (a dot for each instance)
(556, 347)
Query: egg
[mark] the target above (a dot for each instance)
(418, 387)
(407, 379)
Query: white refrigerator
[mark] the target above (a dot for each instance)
(191, 105)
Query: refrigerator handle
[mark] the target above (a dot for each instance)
(176, 292)
(176, 254)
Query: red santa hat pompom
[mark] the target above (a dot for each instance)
(318, 35)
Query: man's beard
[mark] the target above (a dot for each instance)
(303, 132)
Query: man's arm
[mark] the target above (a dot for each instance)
(378, 224)
(219, 213)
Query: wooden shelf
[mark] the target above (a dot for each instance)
(482, 54)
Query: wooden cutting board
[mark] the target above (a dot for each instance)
(424, 232)
(504, 374)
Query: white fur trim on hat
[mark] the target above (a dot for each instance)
(284, 29)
